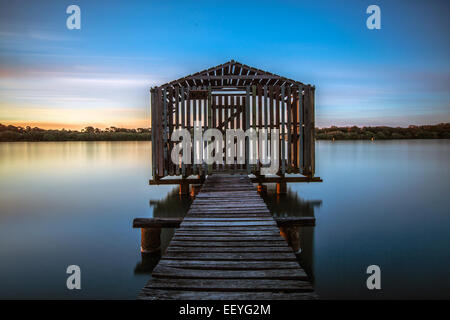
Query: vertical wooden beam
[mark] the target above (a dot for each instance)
(226, 125)
(313, 124)
(292, 236)
(218, 118)
(301, 108)
(203, 168)
(166, 130)
(153, 123)
(283, 138)
(260, 103)
(230, 125)
(289, 129)
(159, 137)
(170, 110)
(260, 124)
(308, 130)
(189, 167)
(177, 120)
(210, 124)
(295, 128)
(254, 124)
(277, 124)
(184, 189)
(253, 104)
(150, 240)
(240, 121)
(183, 125)
(281, 187)
(214, 107)
(220, 108)
(247, 126)
(194, 147)
(271, 121)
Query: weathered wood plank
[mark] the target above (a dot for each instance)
(208, 243)
(244, 228)
(229, 249)
(230, 233)
(275, 238)
(230, 256)
(228, 219)
(221, 211)
(231, 285)
(229, 265)
(229, 224)
(156, 294)
(283, 274)
(156, 222)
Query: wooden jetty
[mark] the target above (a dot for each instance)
(227, 247)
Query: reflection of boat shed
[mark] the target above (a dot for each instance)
(235, 96)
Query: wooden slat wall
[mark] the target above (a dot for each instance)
(307, 133)
(290, 109)
(295, 127)
(301, 108)
(153, 112)
(159, 132)
(177, 120)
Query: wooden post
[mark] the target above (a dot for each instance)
(246, 126)
(184, 188)
(283, 141)
(292, 236)
(262, 188)
(183, 165)
(165, 134)
(210, 125)
(153, 115)
(150, 240)
(281, 187)
(301, 109)
(195, 188)
(148, 263)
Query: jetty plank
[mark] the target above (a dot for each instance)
(228, 247)
(283, 274)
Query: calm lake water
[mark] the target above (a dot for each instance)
(384, 202)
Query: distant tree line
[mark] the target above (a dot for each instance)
(16, 133)
(13, 133)
(438, 131)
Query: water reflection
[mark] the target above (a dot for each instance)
(291, 205)
(384, 203)
(172, 206)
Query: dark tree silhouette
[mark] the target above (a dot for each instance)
(13, 133)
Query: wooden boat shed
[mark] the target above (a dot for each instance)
(234, 96)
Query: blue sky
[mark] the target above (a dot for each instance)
(100, 75)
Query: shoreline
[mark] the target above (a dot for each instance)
(145, 140)
(12, 133)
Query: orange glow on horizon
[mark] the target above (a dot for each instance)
(70, 126)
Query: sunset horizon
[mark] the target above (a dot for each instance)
(54, 77)
(60, 126)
